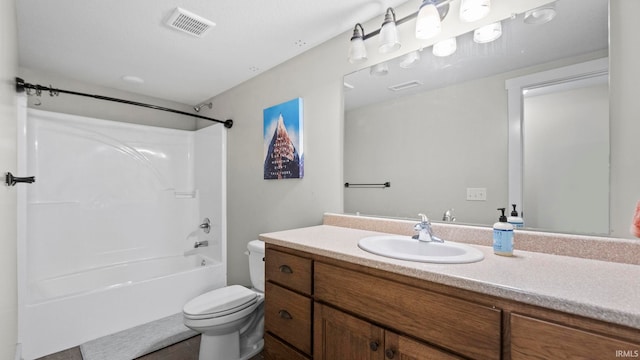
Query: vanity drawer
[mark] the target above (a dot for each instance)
(288, 270)
(288, 316)
(461, 326)
(275, 349)
(538, 339)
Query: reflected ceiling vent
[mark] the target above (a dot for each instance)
(189, 22)
(405, 85)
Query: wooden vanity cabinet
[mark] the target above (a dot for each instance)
(334, 310)
(288, 306)
(533, 338)
(459, 326)
(342, 336)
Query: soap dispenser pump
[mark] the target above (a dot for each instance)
(503, 236)
(514, 219)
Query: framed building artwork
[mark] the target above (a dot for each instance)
(283, 152)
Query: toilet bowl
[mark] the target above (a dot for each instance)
(231, 319)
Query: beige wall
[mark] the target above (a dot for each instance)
(255, 205)
(8, 289)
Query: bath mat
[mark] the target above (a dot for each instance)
(138, 341)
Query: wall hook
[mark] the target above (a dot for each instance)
(11, 180)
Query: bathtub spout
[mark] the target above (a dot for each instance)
(201, 243)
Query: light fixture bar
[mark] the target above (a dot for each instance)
(405, 19)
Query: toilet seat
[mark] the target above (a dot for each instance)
(220, 302)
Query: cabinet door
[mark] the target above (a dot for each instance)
(338, 336)
(274, 349)
(461, 326)
(402, 348)
(538, 339)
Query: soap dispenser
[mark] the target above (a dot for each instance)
(503, 236)
(514, 219)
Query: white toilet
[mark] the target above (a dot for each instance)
(231, 319)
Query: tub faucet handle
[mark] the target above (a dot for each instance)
(206, 225)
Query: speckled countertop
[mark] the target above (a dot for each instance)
(596, 289)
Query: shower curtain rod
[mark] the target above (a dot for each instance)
(21, 86)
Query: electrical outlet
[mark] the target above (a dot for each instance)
(476, 194)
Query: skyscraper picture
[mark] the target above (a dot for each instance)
(283, 154)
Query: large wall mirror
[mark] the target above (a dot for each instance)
(438, 129)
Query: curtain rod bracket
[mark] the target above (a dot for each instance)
(21, 86)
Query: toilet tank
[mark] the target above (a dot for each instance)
(256, 264)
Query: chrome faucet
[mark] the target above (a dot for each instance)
(425, 233)
(201, 244)
(448, 216)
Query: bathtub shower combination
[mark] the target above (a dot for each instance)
(107, 231)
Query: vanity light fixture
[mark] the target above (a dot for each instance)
(410, 59)
(380, 69)
(389, 33)
(357, 50)
(540, 15)
(474, 10)
(428, 22)
(488, 33)
(445, 47)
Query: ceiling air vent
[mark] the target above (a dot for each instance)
(190, 23)
(405, 86)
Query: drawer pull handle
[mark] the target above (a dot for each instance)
(286, 269)
(285, 314)
(373, 345)
(389, 353)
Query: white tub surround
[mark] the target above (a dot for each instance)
(105, 230)
(601, 290)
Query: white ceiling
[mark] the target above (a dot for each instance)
(100, 41)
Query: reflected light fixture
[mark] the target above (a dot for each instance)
(380, 69)
(410, 59)
(389, 33)
(428, 22)
(488, 33)
(357, 50)
(445, 47)
(540, 15)
(474, 10)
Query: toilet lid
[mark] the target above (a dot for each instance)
(221, 301)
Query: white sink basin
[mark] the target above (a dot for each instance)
(406, 248)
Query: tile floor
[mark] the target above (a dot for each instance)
(184, 350)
